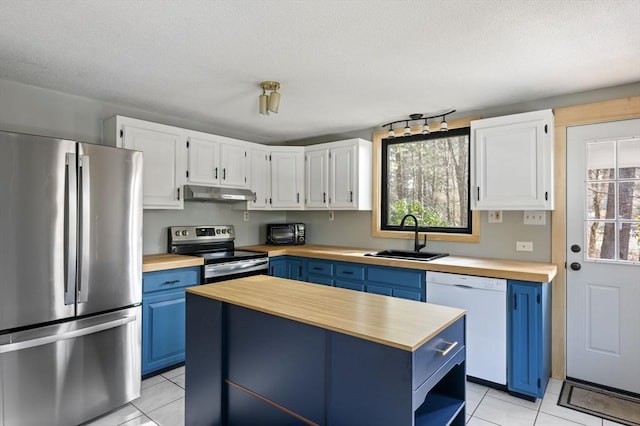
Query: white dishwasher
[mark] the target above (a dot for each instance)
(485, 300)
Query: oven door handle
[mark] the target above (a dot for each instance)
(237, 266)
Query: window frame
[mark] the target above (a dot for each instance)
(384, 194)
(376, 222)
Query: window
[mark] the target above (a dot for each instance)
(427, 176)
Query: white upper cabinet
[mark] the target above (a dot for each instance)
(287, 178)
(234, 162)
(512, 162)
(316, 181)
(164, 155)
(204, 160)
(260, 177)
(217, 161)
(338, 175)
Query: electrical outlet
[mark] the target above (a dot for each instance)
(495, 216)
(331, 215)
(535, 217)
(246, 216)
(524, 246)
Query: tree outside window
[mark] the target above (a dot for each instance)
(427, 176)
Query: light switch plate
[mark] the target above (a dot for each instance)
(495, 216)
(535, 217)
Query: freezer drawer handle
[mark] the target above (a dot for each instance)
(451, 345)
(40, 341)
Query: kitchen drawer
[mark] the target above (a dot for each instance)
(376, 289)
(407, 294)
(351, 285)
(170, 279)
(428, 358)
(350, 271)
(319, 267)
(396, 276)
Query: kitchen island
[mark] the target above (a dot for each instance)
(265, 350)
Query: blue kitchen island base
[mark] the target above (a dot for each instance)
(246, 367)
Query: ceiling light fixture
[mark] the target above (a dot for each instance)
(271, 102)
(419, 117)
(443, 125)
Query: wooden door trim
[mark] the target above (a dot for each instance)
(599, 112)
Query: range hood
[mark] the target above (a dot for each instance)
(217, 194)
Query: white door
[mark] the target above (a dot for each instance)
(342, 177)
(233, 165)
(163, 159)
(260, 173)
(287, 178)
(203, 161)
(316, 178)
(603, 254)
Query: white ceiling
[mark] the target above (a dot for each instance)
(343, 65)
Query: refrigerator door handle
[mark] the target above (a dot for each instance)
(70, 223)
(84, 250)
(71, 334)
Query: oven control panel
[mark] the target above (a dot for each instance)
(203, 233)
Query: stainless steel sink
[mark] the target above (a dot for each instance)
(424, 256)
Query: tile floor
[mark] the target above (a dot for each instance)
(162, 403)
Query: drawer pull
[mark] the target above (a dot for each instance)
(170, 282)
(348, 272)
(451, 345)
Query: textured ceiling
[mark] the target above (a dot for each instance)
(343, 65)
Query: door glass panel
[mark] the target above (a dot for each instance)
(601, 160)
(629, 204)
(629, 237)
(613, 200)
(601, 240)
(601, 198)
(629, 156)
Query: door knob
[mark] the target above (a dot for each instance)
(576, 248)
(576, 266)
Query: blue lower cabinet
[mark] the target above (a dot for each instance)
(163, 317)
(278, 267)
(397, 282)
(290, 267)
(529, 337)
(351, 285)
(378, 289)
(320, 271)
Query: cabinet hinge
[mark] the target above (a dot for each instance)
(538, 383)
(538, 298)
(122, 133)
(546, 128)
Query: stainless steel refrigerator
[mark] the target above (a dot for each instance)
(70, 279)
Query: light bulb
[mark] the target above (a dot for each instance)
(444, 126)
(407, 129)
(425, 128)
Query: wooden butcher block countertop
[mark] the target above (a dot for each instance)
(160, 262)
(404, 324)
(484, 267)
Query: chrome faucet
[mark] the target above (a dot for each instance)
(416, 245)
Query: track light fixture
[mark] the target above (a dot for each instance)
(418, 117)
(271, 102)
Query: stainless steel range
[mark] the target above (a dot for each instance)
(215, 244)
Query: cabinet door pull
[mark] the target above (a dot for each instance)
(351, 196)
(348, 272)
(178, 194)
(546, 195)
(324, 197)
(224, 173)
(216, 173)
(297, 197)
(515, 302)
(317, 268)
(171, 282)
(450, 346)
(478, 194)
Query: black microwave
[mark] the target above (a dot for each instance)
(285, 234)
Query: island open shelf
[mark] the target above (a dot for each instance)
(265, 350)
